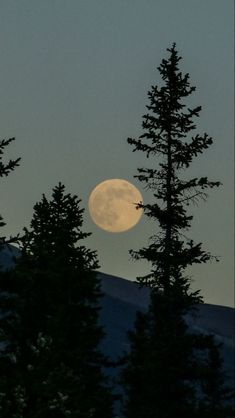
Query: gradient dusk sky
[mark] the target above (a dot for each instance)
(74, 77)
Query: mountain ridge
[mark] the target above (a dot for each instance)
(121, 300)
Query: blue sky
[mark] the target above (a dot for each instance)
(74, 77)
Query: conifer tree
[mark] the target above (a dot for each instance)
(54, 365)
(163, 370)
(5, 170)
(218, 399)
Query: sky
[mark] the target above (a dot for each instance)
(74, 78)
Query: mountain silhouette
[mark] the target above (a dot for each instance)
(122, 298)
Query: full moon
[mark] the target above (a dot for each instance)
(112, 205)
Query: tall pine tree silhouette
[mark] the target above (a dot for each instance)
(164, 370)
(54, 365)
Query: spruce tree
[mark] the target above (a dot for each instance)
(54, 365)
(5, 170)
(218, 398)
(163, 373)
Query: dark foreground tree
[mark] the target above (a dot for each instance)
(5, 170)
(52, 363)
(168, 365)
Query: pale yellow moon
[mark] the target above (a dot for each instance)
(112, 205)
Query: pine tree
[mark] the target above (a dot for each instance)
(217, 398)
(164, 357)
(55, 367)
(5, 170)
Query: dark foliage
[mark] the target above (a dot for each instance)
(5, 169)
(170, 371)
(52, 362)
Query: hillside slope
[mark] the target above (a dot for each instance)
(122, 298)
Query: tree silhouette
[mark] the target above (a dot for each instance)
(52, 359)
(163, 374)
(5, 170)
